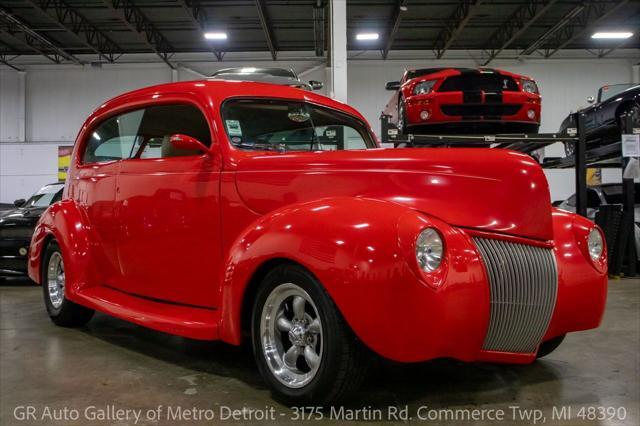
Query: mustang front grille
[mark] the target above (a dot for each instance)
(523, 284)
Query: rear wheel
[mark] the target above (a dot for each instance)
(303, 348)
(549, 346)
(62, 311)
(634, 111)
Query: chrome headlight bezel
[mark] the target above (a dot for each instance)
(429, 250)
(595, 244)
(424, 87)
(530, 86)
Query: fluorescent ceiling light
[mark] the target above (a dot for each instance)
(367, 36)
(612, 35)
(215, 36)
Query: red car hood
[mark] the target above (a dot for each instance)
(485, 189)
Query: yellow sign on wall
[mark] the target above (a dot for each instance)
(64, 160)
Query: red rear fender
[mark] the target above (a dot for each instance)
(64, 222)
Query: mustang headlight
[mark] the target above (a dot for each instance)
(429, 250)
(596, 244)
(424, 87)
(529, 86)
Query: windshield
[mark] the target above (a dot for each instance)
(45, 196)
(612, 90)
(278, 125)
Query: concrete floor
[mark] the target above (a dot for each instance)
(113, 363)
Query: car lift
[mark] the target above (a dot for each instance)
(621, 245)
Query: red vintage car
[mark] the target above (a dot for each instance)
(464, 100)
(242, 211)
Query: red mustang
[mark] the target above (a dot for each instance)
(238, 210)
(464, 100)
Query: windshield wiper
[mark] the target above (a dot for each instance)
(261, 146)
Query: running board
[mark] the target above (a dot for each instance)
(185, 321)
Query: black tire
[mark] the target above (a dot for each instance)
(549, 346)
(344, 359)
(402, 117)
(67, 314)
(631, 109)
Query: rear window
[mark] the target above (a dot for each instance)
(485, 82)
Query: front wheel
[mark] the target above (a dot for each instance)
(549, 346)
(303, 348)
(402, 117)
(62, 311)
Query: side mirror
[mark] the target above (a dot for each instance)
(188, 143)
(316, 85)
(392, 85)
(591, 99)
(19, 202)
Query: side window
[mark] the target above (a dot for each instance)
(162, 121)
(145, 133)
(114, 139)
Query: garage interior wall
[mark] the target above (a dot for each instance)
(59, 98)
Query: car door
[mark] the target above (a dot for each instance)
(94, 186)
(168, 207)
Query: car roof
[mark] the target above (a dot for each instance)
(276, 72)
(225, 89)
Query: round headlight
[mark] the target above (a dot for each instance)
(596, 245)
(429, 250)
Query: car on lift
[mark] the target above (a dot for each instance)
(464, 100)
(17, 225)
(250, 212)
(603, 122)
(282, 76)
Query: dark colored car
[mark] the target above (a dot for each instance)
(16, 228)
(464, 100)
(603, 125)
(281, 76)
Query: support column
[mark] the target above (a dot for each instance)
(338, 50)
(175, 77)
(635, 74)
(22, 106)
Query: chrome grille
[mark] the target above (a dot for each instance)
(523, 283)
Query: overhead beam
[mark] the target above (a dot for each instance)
(130, 15)
(12, 36)
(266, 28)
(70, 20)
(198, 18)
(36, 41)
(396, 19)
(606, 52)
(319, 27)
(456, 23)
(593, 14)
(576, 11)
(4, 56)
(516, 25)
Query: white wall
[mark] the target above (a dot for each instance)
(59, 98)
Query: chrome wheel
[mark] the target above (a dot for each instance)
(401, 117)
(291, 335)
(55, 280)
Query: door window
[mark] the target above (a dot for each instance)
(145, 133)
(276, 125)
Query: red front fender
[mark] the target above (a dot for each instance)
(355, 248)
